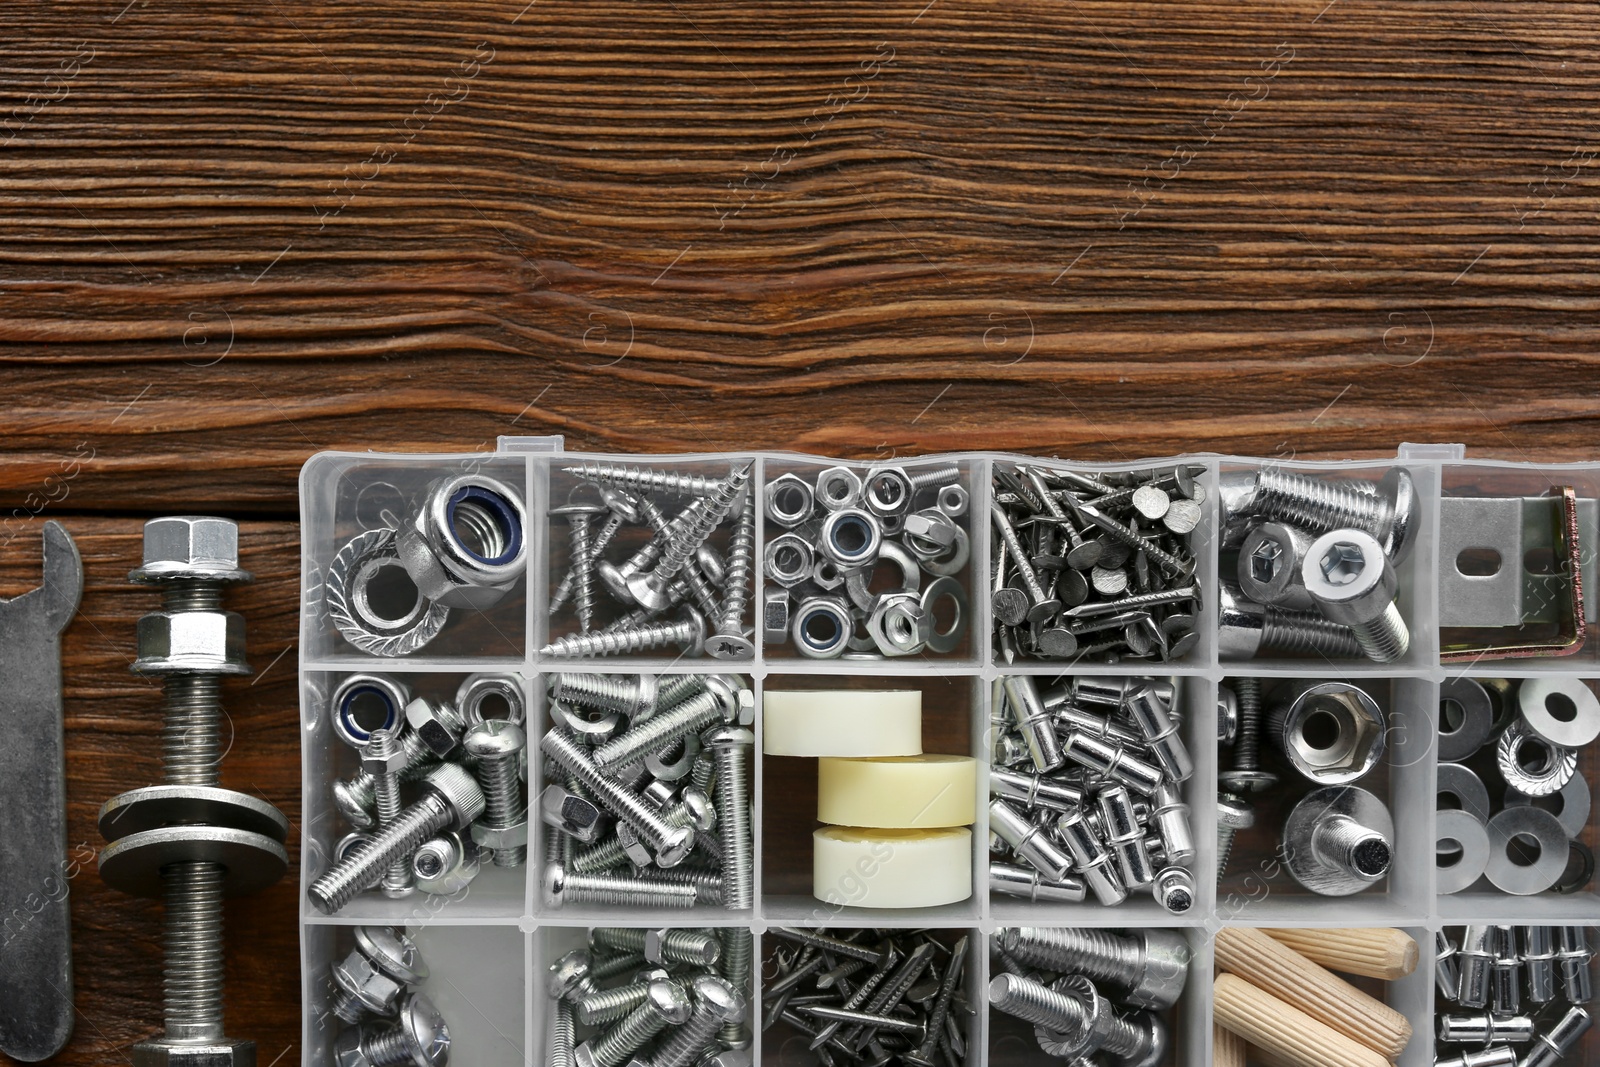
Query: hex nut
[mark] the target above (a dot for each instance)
(191, 642)
(790, 501)
(347, 1049)
(838, 487)
(953, 500)
(392, 763)
(436, 723)
(500, 837)
(825, 574)
(475, 689)
(355, 695)
(577, 817)
(775, 617)
(1358, 741)
(887, 491)
(898, 624)
(375, 991)
(788, 559)
(472, 570)
(188, 547)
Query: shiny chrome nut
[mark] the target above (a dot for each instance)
(822, 626)
(838, 487)
(445, 865)
(366, 702)
(887, 491)
(190, 547)
(436, 723)
(1532, 765)
(825, 574)
(493, 693)
(851, 538)
(500, 837)
(775, 617)
(790, 501)
(788, 559)
(929, 532)
(898, 624)
(191, 642)
(577, 817)
(858, 584)
(1332, 732)
(953, 500)
(465, 544)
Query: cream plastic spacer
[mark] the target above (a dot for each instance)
(842, 722)
(898, 792)
(891, 868)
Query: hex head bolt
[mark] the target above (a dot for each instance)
(1573, 956)
(419, 1038)
(1149, 968)
(730, 746)
(498, 745)
(719, 702)
(379, 952)
(1387, 511)
(669, 843)
(731, 640)
(1093, 1026)
(650, 590)
(1030, 842)
(1550, 1048)
(1354, 584)
(1032, 721)
(1090, 859)
(1234, 813)
(1539, 956)
(1041, 605)
(1245, 628)
(356, 797)
(1160, 733)
(450, 800)
(688, 632)
(716, 1004)
(665, 1004)
(1475, 960)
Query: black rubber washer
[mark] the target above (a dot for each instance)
(1584, 858)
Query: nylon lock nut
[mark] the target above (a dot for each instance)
(465, 543)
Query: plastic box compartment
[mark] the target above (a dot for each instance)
(343, 494)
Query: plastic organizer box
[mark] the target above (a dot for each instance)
(488, 951)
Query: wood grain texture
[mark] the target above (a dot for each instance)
(237, 233)
(113, 723)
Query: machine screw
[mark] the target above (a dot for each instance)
(1386, 510)
(730, 746)
(498, 745)
(383, 759)
(451, 800)
(1150, 967)
(635, 697)
(738, 958)
(716, 1004)
(665, 1004)
(1245, 628)
(721, 700)
(1095, 1026)
(419, 1038)
(559, 1047)
(562, 888)
(669, 843)
(689, 632)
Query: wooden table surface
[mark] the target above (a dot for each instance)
(237, 233)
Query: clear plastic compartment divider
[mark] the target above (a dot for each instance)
(493, 947)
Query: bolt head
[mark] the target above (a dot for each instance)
(1235, 812)
(393, 952)
(721, 737)
(347, 1049)
(1399, 532)
(362, 979)
(495, 739)
(1349, 577)
(697, 632)
(427, 1035)
(702, 812)
(730, 646)
(567, 974)
(719, 998)
(1239, 623)
(436, 723)
(676, 848)
(734, 698)
(188, 547)
(671, 1000)
(225, 1052)
(458, 790)
(635, 849)
(350, 806)
(1243, 782)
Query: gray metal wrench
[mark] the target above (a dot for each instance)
(35, 927)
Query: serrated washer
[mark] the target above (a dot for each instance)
(1513, 834)
(369, 603)
(1530, 764)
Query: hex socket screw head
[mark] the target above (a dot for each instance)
(1354, 584)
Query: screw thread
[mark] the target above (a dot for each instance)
(736, 579)
(1305, 633)
(1224, 850)
(191, 729)
(1096, 954)
(606, 856)
(387, 1047)
(192, 978)
(558, 1047)
(691, 947)
(582, 572)
(1025, 999)
(1386, 638)
(707, 885)
(738, 956)
(703, 774)
(362, 788)
(1316, 505)
(365, 863)
(192, 595)
(603, 537)
(698, 526)
(563, 590)
(733, 828)
(612, 966)
(1336, 838)
(939, 476)
(659, 731)
(604, 692)
(347, 1007)
(645, 479)
(386, 797)
(675, 689)
(501, 780)
(628, 806)
(618, 1044)
(607, 1006)
(628, 938)
(622, 641)
(1247, 749)
(685, 1043)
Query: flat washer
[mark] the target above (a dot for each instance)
(1554, 772)
(938, 589)
(1563, 711)
(1511, 877)
(155, 806)
(1468, 832)
(252, 861)
(1464, 784)
(1477, 718)
(1575, 801)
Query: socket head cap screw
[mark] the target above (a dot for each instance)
(1349, 577)
(459, 792)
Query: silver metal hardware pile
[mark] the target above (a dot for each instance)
(1095, 567)
(652, 998)
(374, 990)
(1092, 991)
(1086, 792)
(462, 543)
(1315, 564)
(1524, 736)
(826, 540)
(1501, 988)
(466, 774)
(675, 591)
(1337, 839)
(649, 801)
(865, 997)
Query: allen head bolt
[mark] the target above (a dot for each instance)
(1354, 583)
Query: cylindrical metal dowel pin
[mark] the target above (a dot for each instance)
(1264, 1020)
(1378, 952)
(1312, 989)
(1227, 1048)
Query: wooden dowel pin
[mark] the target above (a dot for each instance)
(1264, 1020)
(1374, 952)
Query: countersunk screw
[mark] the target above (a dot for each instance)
(669, 843)
(730, 747)
(498, 746)
(730, 641)
(689, 632)
(451, 800)
(1347, 574)
(382, 759)
(1386, 510)
(1247, 775)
